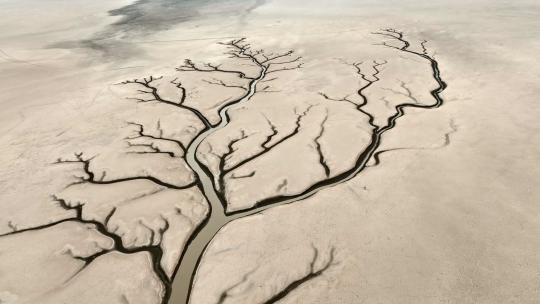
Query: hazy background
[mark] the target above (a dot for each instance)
(112, 28)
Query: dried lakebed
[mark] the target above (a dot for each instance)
(205, 181)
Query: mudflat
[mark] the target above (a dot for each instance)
(269, 152)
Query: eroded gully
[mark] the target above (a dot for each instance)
(218, 217)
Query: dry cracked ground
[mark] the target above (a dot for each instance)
(248, 151)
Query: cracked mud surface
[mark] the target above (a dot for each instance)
(333, 154)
